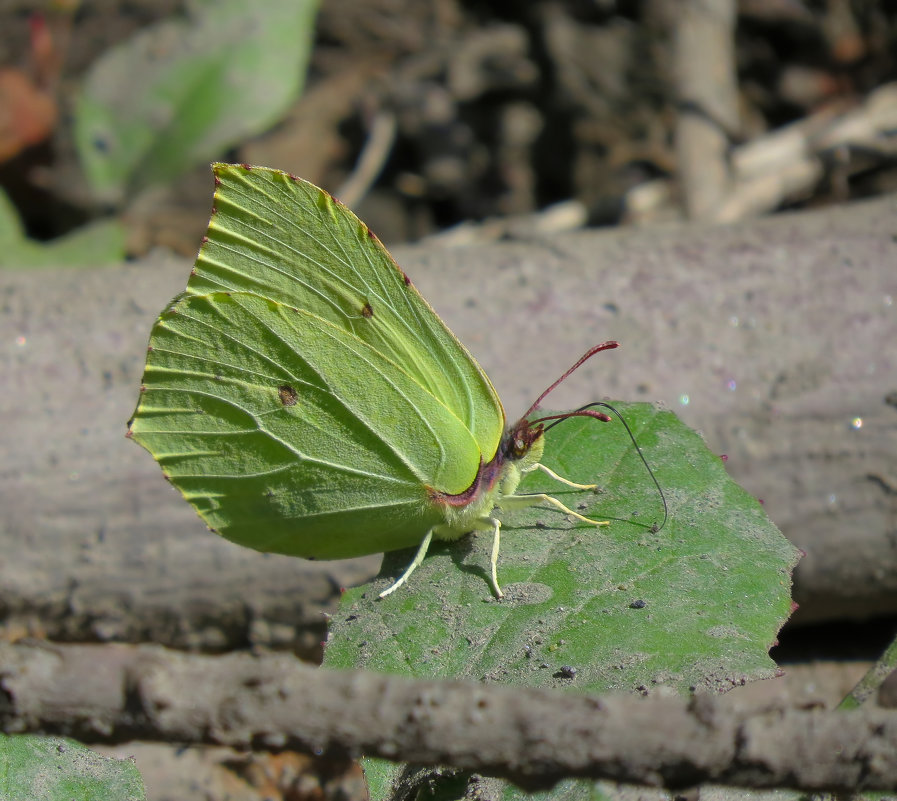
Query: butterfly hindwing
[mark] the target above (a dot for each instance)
(289, 434)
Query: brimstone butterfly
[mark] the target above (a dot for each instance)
(307, 400)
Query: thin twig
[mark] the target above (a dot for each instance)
(373, 158)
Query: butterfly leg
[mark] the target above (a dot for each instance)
(556, 477)
(524, 501)
(415, 563)
(496, 541)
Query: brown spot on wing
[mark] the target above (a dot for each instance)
(287, 394)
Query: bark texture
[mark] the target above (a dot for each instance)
(532, 737)
(774, 338)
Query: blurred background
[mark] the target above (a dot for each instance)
(467, 120)
(446, 122)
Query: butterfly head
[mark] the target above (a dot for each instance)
(519, 438)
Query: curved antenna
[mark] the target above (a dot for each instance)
(584, 358)
(586, 411)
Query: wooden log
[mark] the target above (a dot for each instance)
(533, 737)
(772, 337)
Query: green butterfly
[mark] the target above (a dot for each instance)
(306, 399)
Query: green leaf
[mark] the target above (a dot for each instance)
(93, 245)
(59, 769)
(183, 91)
(697, 604)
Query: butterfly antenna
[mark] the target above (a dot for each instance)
(584, 358)
(586, 411)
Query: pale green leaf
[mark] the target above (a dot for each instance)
(182, 91)
(94, 245)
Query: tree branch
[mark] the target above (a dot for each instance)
(532, 737)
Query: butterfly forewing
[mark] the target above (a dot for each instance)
(284, 239)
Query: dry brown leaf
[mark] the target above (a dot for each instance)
(27, 113)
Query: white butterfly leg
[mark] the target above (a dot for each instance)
(496, 542)
(521, 502)
(525, 501)
(493, 523)
(483, 524)
(556, 477)
(415, 563)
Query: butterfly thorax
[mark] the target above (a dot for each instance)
(518, 452)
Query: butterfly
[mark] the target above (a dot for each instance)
(306, 400)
